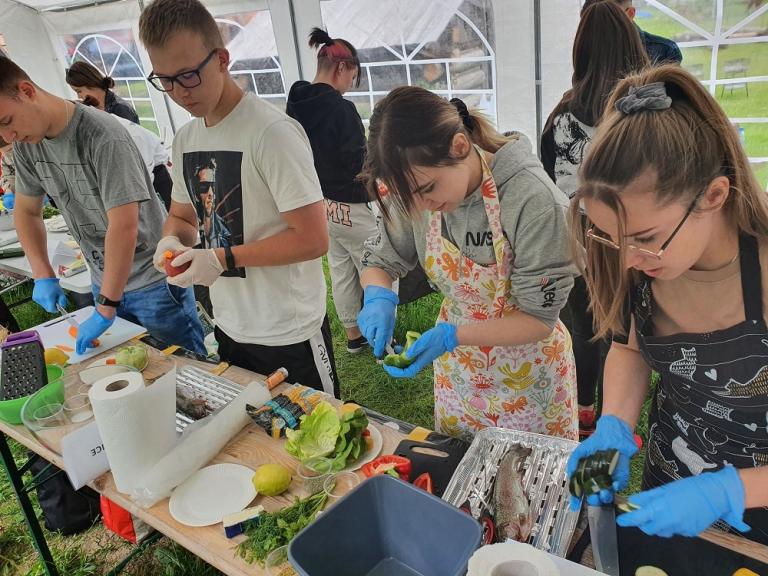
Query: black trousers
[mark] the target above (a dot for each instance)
(163, 184)
(590, 356)
(310, 363)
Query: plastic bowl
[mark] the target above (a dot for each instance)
(10, 410)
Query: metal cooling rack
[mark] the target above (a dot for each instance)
(544, 481)
(215, 390)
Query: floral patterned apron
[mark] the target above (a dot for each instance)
(531, 387)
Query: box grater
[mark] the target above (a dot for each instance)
(23, 365)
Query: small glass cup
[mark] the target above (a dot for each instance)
(49, 416)
(77, 408)
(277, 563)
(313, 474)
(339, 484)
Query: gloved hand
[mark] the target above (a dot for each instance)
(9, 200)
(166, 243)
(431, 345)
(611, 433)
(377, 318)
(90, 330)
(47, 293)
(689, 506)
(203, 270)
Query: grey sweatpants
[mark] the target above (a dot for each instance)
(349, 226)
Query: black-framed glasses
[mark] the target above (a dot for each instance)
(594, 234)
(189, 79)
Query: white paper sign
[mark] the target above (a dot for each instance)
(84, 456)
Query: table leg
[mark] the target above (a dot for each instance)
(17, 482)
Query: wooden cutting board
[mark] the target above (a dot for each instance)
(55, 333)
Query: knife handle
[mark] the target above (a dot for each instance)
(738, 544)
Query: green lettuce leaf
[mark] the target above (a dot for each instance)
(317, 435)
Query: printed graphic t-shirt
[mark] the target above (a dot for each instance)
(88, 169)
(240, 175)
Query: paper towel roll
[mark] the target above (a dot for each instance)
(137, 423)
(198, 447)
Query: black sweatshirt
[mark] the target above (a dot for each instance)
(337, 136)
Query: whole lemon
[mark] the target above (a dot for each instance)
(271, 479)
(55, 356)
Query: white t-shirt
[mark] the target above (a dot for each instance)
(240, 175)
(149, 145)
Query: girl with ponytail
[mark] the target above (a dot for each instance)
(87, 81)
(335, 131)
(676, 250)
(478, 212)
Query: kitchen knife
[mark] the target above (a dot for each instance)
(602, 527)
(67, 316)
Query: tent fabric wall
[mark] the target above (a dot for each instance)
(29, 44)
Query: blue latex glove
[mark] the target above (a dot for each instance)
(377, 318)
(611, 433)
(9, 200)
(431, 345)
(689, 506)
(47, 293)
(90, 330)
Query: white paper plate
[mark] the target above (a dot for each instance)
(211, 493)
(378, 443)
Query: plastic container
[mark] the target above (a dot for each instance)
(386, 527)
(10, 410)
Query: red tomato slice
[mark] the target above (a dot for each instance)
(424, 481)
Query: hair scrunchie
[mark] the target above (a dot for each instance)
(463, 113)
(652, 96)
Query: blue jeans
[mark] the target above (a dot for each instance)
(167, 312)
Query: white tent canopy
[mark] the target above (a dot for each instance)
(511, 58)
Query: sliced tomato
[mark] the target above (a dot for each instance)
(424, 481)
(388, 464)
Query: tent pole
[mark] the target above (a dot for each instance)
(537, 68)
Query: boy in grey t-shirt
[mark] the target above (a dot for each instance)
(88, 163)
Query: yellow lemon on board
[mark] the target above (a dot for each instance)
(271, 479)
(55, 356)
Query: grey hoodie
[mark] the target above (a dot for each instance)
(533, 217)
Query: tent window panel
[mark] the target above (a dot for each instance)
(245, 81)
(761, 171)
(385, 78)
(364, 86)
(754, 138)
(269, 83)
(649, 18)
(471, 75)
(734, 11)
(363, 105)
(151, 125)
(741, 60)
(431, 76)
(457, 39)
(697, 60)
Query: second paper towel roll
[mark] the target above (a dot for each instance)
(137, 423)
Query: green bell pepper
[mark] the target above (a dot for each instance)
(401, 360)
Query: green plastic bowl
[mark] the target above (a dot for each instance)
(10, 410)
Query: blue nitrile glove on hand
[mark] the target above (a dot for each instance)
(377, 318)
(689, 506)
(611, 433)
(47, 293)
(90, 330)
(431, 345)
(9, 200)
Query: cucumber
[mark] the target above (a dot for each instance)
(574, 487)
(613, 461)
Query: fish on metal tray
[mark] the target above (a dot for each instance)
(512, 516)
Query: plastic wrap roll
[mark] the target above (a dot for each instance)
(137, 423)
(198, 447)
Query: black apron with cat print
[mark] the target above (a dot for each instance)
(711, 405)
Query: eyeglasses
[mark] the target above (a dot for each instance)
(594, 234)
(190, 79)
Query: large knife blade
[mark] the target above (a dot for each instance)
(602, 527)
(68, 316)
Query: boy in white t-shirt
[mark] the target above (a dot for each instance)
(245, 185)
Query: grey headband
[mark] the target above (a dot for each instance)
(649, 97)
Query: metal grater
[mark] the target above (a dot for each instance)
(544, 481)
(215, 390)
(23, 365)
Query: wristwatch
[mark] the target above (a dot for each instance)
(229, 257)
(104, 301)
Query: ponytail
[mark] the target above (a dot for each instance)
(319, 37)
(107, 83)
(333, 51)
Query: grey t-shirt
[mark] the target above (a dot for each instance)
(88, 169)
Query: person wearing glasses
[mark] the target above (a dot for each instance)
(677, 269)
(337, 136)
(606, 48)
(90, 166)
(87, 81)
(266, 279)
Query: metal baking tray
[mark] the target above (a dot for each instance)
(544, 480)
(215, 390)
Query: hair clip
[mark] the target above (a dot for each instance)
(652, 96)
